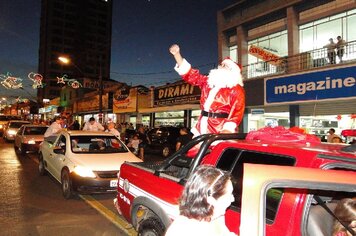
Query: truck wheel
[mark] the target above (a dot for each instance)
(166, 151)
(41, 166)
(151, 227)
(66, 185)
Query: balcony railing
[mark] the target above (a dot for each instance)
(299, 62)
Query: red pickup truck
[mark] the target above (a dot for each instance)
(148, 193)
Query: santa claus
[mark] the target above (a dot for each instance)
(222, 100)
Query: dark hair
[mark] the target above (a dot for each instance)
(346, 211)
(184, 129)
(91, 119)
(204, 182)
(333, 130)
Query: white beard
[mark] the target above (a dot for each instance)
(223, 78)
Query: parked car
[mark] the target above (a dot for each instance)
(29, 137)
(84, 161)
(163, 140)
(150, 203)
(11, 129)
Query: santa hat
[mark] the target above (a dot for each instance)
(234, 68)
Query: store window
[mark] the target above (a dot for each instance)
(146, 120)
(233, 53)
(267, 47)
(169, 118)
(194, 118)
(258, 121)
(315, 35)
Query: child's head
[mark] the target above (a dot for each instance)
(346, 212)
(135, 137)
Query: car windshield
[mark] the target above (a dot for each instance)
(17, 124)
(35, 130)
(97, 144)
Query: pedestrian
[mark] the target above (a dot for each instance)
(184, 138)
(134, 144)
(75, 125)
(54, 128)
(111, 129)
(345, 211)
(222, 99)
(330, 47)
(142, 136)
(93, 125)
(331, 135)
(203, 203)
(340, 47)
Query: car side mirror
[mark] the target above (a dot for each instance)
(59, 150)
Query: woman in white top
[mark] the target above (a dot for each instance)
(54, 128)
(205, 198)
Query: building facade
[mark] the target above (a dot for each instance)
(79, 30)
(293, 76)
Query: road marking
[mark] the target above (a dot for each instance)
(108, 214)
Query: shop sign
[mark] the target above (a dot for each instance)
(176, 94)
(125, 100)
(95, 84)
(257, 111)
(264, 55)
(320, 85)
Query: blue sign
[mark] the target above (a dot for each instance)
(330, 84)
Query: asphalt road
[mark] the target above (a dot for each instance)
(31, 204)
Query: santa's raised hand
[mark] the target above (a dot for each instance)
(175, 51)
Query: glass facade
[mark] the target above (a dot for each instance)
(169, 118)
(277, 44)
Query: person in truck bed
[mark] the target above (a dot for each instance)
(205, 198)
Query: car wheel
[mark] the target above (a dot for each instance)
(166, 151)
(41, 165)
(23, 149)
(151, 227)
(66, 185)
(16, 148)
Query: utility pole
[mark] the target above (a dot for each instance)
(100, 93)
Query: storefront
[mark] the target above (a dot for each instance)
(174, 105)
(289, 79)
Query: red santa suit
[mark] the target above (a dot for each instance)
(222, 100)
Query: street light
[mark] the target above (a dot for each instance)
(66, 60)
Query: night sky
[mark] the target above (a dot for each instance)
(142, 32)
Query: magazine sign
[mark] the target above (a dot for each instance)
(321, 85)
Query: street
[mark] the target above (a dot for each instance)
(33, 205)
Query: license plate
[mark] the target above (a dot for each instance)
(113, 183)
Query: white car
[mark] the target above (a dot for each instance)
(11, 129)
(29, 137)
(84, 161)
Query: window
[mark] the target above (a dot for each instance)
(233, 160)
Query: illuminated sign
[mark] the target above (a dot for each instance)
(264, 55)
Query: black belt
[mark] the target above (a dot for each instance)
(214, 115)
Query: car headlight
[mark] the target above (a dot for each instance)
(11, 132)
(31, 141)
(84, 172)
